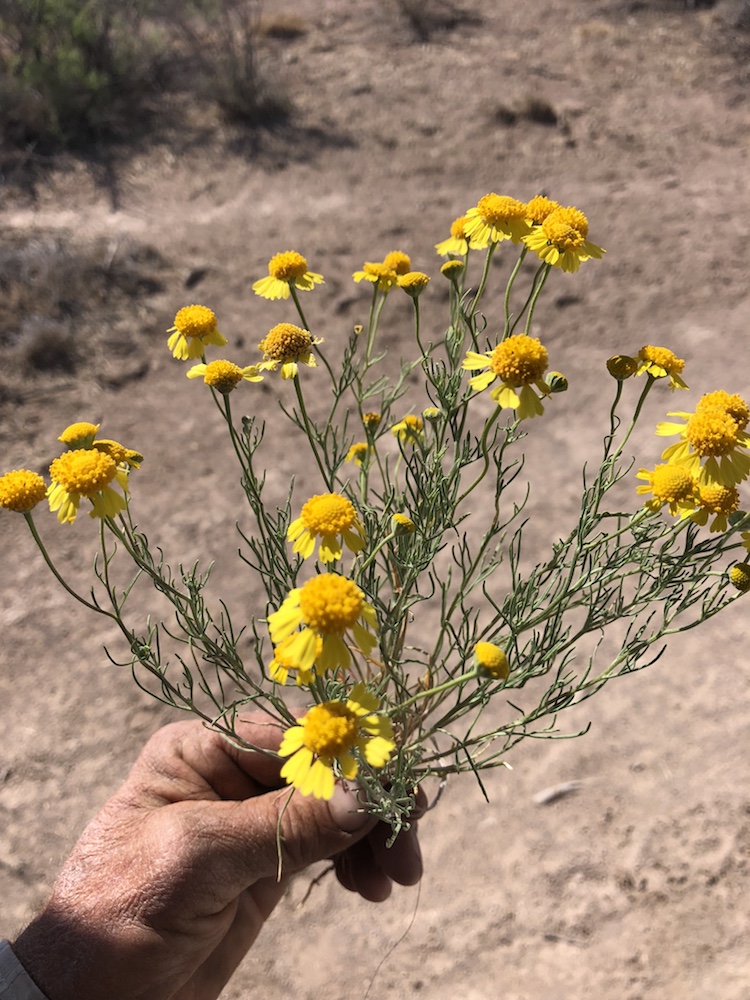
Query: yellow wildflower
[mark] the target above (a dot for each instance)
(410, 430)
(287, 345)
(379, 274)
(711, 434)
(194, 328)
(413, 283)
(739, 576)
(457, 242)
(669, 484)
(85, 472)
(327, 516)
(284, 270)
(519, 362)
(715, 498)
(224, 376)
(21, 490)
(660, 362)
(79, 435)
(492, 660)
(562, 239)
(325, 738)
(329, 607)
(358, 452)
(283, 663)
(495, 218)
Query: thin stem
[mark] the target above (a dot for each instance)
(308, 430)
(55, 572)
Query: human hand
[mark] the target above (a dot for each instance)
(171, 882)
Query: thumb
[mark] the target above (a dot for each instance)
(281, 831)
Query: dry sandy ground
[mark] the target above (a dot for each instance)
(637, 885)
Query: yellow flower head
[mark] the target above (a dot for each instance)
(539, 208)
(739, 576)
(85, 473)
(713, 435)
(381, 275)
(287, 345)
(224, 376)
(562, 239)
(283, 664)
(371, 421)
(730, 402)
(80, 435)
(495, 218)
(413, 283)
(326, 738)
(328, 607)
(398, 261)
(194, 328)
(715, 498)
(402, 524)
(660, 362)
(669, 484)
(410, 430)
(284, 270)
(492, 660)
(457, 242)
(358, 452)
(21, 490)
(431, 413)
(327, 516)
(452, 269)
(622, 367)
(519, 362)
(119, 454)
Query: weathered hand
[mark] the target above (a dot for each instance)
(170, 884)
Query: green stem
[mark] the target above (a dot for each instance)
(508, 289)
(483, 282)
(483, 473)
(47, 558)
(535, 296)
(308, 430)
(440, 689)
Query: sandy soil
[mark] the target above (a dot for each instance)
(635, 886)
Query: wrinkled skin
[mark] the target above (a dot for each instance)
(171, 882)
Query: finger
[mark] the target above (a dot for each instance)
(357, 871)
(402, 861)
(233, 844)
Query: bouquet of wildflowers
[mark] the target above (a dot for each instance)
(401, 636)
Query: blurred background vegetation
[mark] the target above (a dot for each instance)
(74, 73)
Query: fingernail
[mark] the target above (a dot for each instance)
(346, 810)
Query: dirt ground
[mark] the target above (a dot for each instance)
(635, 886)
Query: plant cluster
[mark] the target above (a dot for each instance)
(397, 602)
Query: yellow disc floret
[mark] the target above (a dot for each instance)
(287, 345)
(330, 729)
(413, 283)
(732, 403)
(83, 471)
(21, 490)
(194, 327)
(287, 266)
(740, 577)
(492, 659)
(496, 217)
(328, 514)
(79, 435)
(397, 261)
(539, 208)
(519, 360)
(712, 431)
(195, 321)
(718, 498)
(330, 604)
